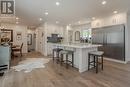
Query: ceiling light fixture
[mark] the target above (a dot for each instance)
(46, 13)
(104, 2)
(57, 22)
(17, 22)
(93, 18)
(115, 12)
(69, 24)
(17, 18)
(79, 22)
(57, 3)
(40, 19)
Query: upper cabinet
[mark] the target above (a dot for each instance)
(110, 20)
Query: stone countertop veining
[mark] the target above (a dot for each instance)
(76, 45)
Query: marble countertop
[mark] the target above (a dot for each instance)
(76, 45)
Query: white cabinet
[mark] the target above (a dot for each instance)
(49, 48)
(114, 19)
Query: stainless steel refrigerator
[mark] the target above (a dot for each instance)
(112, 39)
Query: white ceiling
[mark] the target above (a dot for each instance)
(69, 11)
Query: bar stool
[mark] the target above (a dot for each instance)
(95, 63)
(57, 51)
(67, 61)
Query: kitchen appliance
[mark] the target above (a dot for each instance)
(112, 39)
(54, 38)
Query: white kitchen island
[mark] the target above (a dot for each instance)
(80, 53)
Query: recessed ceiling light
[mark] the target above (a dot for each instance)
(115, 12)
(57, 3)
(17, 22)
(93, 18)
(46, 13)
(69, 24)
(104, 2)
(40, 19)
(57, 22)
(79, 22)
(17, 18)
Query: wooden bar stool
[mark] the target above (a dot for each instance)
(67, 61)
(95, 63)
(57, 51)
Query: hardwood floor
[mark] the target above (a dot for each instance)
(54, 75)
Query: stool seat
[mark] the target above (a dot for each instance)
(66, 52)
(63, 52)
(67, 61)
(57, 51)
(98, 53)
(95, 55)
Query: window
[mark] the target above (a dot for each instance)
(86, 33)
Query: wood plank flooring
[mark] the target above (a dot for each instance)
(54, 75)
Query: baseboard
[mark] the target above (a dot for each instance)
(114, 60)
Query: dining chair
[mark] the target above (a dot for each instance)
(17, 49)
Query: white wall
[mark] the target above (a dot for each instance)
(69, 32)
(67, 37)
(47, 29)
(114, 19)
(80, 28)
(40, 39)
(18, 28)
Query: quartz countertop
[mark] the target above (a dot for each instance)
(75, 45)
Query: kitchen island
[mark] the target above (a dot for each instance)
(80, 53)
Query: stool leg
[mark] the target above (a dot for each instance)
(66, 61)
(72, 60)
(53, 55)
(102, 62)
(94, 61)
(88, 61)
(61, 59)
(57, 54)
(96, 64)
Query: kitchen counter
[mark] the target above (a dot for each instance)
(75, 45)
(80, 53)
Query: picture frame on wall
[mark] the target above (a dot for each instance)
(19, 36)
(6, 35)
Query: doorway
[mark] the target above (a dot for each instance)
(31, 41)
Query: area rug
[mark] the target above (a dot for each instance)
(30, 64)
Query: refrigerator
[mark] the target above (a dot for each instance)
(112, 39)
